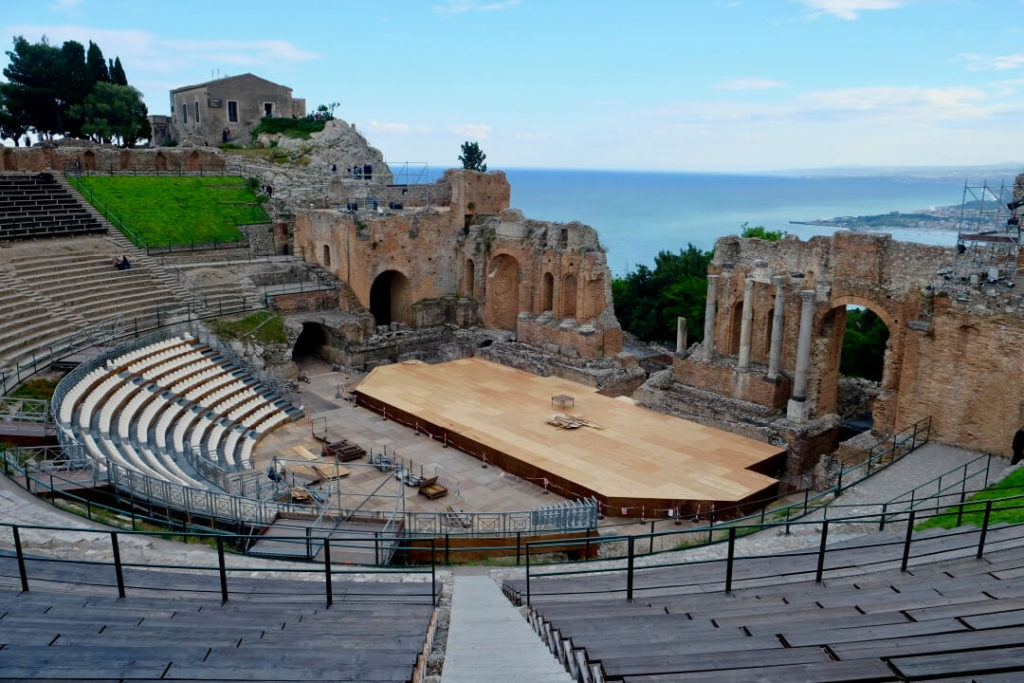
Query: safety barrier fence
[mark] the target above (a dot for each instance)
(52, 470)
(223, 543)
(979, 511)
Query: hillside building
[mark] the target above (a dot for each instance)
(227, 108)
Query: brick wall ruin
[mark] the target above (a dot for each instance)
(467, 261)
(105, 158)
(952, 357)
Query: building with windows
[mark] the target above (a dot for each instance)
(228, 108)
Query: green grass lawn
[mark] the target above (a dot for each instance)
(267, 328)
(1009, 512)
(178, 210)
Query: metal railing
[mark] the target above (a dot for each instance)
(222, 543)
(24, 409)
(634, 545)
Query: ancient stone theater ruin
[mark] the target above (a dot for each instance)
(774, 329)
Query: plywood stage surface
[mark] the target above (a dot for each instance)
(638, 455)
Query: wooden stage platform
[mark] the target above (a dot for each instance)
(636, 462)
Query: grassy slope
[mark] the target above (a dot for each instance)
(1012, 512)
(179, 210)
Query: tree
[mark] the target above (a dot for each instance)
(760, 232)
(73, 86)
(117, 75)
(33, 73)
(115, 112)
(11, 126)
(864, 342)
(96, 64)
(472, 157)
(647, 302)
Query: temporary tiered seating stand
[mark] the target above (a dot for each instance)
(188, 397)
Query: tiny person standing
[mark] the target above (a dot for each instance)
(1018, 446)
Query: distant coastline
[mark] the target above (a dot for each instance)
(935, 218)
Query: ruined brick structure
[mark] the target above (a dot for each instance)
(106, 158)
(455, 253)
(776, 316)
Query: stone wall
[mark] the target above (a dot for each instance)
(471, 261)
(951, 359)
(106, 159)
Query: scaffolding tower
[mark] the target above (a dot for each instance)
(988, 247)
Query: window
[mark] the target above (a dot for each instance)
(197, 111)
(184, 113)
(327, 256)
(268, 108)
(232, 111)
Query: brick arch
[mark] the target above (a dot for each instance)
(501, 291)
(390, 298)
(863, 302)
(828, 337)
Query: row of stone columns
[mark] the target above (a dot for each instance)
(803, 350)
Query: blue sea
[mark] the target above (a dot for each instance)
(638, 214)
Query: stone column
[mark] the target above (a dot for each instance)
(680, 334)
(775, 350)
(747, 322)
(709, 318)
(797, 409)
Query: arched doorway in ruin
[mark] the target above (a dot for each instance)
(735, 325)
(547, 293)
(502, 298)
(311, 343)
(160, 161)
(390, 298)
(9, 164)
(194, 162)
(569, 296)
(89, 160)
(469, 279)
(869, 401)
(501, 307)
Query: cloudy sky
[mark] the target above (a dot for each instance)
(699, 85)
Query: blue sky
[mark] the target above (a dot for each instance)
(697, 85)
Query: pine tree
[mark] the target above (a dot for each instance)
(117, 75)
(96, 64)
(472, 157)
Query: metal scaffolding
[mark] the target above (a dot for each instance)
(988, 247)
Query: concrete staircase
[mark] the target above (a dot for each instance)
(488, 640)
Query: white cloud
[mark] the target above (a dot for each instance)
(750, 84)
(474, 131)
(144, 51)
(397, 127)
(850, 9)
(993, 62)
(461, 6)
(958, 102)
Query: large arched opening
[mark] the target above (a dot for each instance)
(311, 343)
(859, 380)
(502, 298)
(389, 298)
